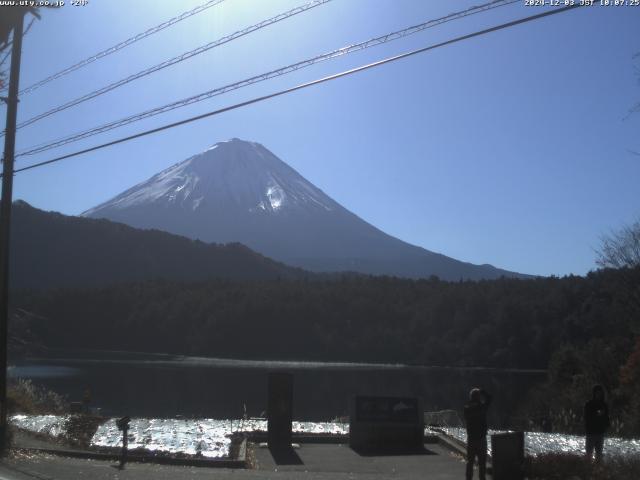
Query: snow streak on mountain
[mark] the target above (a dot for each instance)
(238, 191)
(232, 176)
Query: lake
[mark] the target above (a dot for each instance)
(162, 386)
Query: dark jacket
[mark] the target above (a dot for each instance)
(596, 417)
(475, 416)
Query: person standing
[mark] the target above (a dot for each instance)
(475, 416)
(596, 422)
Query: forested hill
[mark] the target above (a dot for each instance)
(50, 250)
(502, 323)
(584, 330)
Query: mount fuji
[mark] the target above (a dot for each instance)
(238, 191)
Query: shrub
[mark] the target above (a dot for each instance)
(23, 396)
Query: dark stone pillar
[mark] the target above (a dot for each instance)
(280, 410)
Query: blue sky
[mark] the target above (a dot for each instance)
(511, 149)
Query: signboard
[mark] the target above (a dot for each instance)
(387, 409)
(386, 424)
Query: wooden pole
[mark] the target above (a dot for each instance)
(5, 219)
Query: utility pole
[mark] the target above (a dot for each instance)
(5, 219)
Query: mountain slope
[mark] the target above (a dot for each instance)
(53, 250)
(238, 191)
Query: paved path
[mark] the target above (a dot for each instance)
(24, 439)
(434, 462)
(310, 461)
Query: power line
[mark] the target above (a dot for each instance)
(10, 44)
(176, 59)
(121, 45)
(263, 77)
(304, 85)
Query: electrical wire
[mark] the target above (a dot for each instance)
(305, 85)
(262, 77)
(120, 46)
(174, 60)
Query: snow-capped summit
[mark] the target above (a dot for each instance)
(238, 191)
(235, 175)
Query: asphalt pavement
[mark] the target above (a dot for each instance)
(310, 461)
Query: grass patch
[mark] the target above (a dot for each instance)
(569, 466)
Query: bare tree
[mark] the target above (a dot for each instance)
(620, 249)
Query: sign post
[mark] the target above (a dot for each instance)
(123, 424)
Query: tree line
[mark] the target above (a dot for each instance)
(582, 328)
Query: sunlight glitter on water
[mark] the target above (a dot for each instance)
(207, 437)
(536, 443)
(52, 425)
(211, 438)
